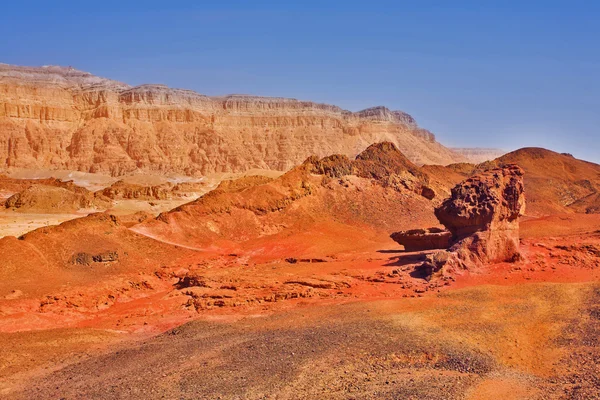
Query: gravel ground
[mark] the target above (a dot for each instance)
(352, 351)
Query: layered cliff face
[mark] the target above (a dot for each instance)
(61, 118)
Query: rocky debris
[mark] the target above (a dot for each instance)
(313, 283)
(130, 220)
(192, 280)
(423, 239)
(205, 299)
(294, 260)
(382, 162)
(129, 191)
(584, 255)
(61, 118)
(245, 182)
(590, 249)
(186, 189)
(87, 259)
(482, 216)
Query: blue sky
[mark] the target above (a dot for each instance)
(482, 73)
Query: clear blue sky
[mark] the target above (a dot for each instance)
(502, 74)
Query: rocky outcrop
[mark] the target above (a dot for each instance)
(61, 118)
(493, 200)
(383, 162)
(423, 239)
(482, 223)
(122, 190)
(87, 259)
(482, 215)
(66, 198)
(366, 192)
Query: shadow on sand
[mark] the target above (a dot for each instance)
(408, 259)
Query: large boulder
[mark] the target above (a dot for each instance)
(55, 199)
(482, 223)
(482, 214)
(491, 201)
(423, 239)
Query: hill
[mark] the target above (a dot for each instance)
(554, 182)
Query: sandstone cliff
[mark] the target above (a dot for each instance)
(62, 118)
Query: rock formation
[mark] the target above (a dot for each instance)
(61, 118)
(129, 191)
(482, 221)
(483, 216)
(423, 239)
(382, 162)
(363, 192)
(49, 196)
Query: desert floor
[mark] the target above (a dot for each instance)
(358, 325)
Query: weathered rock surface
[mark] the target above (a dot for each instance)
(483, 217)
(382, 162)
(492, 200)
(362, 192)
(482, 223)
(423, 239)
(61, 118)
(129, 191)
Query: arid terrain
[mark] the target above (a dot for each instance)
(158, 243)
(289, 286)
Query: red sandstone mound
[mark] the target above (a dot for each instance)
(11, 186)
(378, 190)
(381, 162)
(555, 183)
(81, 250)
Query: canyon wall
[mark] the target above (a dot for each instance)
(62, 118)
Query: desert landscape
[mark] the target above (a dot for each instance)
(159, 243)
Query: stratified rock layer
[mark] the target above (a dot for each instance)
(61, 118)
